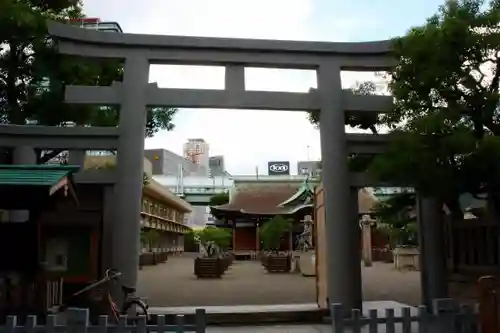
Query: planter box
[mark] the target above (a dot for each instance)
(161, 257)
(275, 263)
(147, 259)
(226, 260)
(209, 267)
(407, 257)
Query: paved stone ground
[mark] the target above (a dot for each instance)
(273, 329)
(297, 329)
(246, 283)
(303, 329)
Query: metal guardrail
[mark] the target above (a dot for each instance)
(197, 190)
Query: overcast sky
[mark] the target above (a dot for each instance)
(251, 138)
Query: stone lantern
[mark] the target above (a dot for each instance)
(366, 223)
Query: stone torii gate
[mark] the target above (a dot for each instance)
(134, 94)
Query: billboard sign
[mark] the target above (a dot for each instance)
(278, 168)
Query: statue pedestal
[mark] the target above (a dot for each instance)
(308, 263)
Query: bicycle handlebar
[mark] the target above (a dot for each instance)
(112, 274)
(109, 275)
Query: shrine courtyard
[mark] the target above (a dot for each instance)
(246, 283)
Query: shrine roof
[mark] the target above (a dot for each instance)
(260, 200)
(303, 195)
(24, 186)
(34, 175)
(281, 199)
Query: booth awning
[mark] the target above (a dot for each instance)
(22, 185)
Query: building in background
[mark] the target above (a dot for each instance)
(170, 164)
(197, 151)
(309, 168)
(167, 163)
(278, 168)
(216, 166)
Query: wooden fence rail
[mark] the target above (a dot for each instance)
(446, 317)
(77, 321)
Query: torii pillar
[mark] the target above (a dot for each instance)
(340, 200)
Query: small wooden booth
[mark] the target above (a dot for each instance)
(28, 193)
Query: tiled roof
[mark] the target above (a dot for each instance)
(261, 199)
(265, 200)
(34, 175)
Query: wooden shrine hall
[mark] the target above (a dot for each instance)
(251, 206)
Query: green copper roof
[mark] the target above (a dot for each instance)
(34, 175)
(302, 196)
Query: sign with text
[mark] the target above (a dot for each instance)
(278, 168)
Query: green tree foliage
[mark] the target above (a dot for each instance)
(446, 118)
(33, 75)
(150, 238)
(219, 199)
(190, 244)
(363, 120)
(214, 239)
(272, 231)
(396, 217)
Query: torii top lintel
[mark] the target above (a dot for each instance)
(362, 56)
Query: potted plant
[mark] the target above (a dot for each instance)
(271, 234)
(213, 242)
(150, 240)
(222, 239)
(146, 257)
(397, 220)
(154, 242)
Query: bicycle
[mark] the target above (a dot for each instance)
(129, 300)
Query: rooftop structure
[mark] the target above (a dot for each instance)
(167, 163)
(96, 24)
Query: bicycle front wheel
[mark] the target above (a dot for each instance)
(141, 309)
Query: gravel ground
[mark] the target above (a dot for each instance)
(246, 283)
